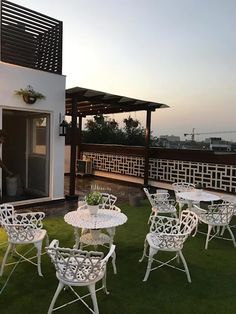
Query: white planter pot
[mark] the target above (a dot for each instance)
(93, 209)
(11, 186)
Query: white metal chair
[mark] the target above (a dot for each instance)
(77, 268)
(217, 217)
(169, 234)
(234, 212)
(179, 187)
(160, 203)
(108, 200)
(231, 199)
(24, 228)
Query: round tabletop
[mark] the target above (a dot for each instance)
(199, 196)
(229, 198)
(105, 218)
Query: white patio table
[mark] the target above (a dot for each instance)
(105, 218)
(198, 196)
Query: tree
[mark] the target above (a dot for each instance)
(103, 130)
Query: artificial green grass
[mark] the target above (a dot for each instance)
(213, 274)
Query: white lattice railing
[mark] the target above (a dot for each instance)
(213, 176)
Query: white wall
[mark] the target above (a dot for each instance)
(51, 85)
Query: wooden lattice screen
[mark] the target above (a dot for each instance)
(30, 39)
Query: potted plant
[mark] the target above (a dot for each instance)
(198, 186)
(93, 199)
(29, 95)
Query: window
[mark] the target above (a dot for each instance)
(39, 136)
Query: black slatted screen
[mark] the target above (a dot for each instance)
(30, 39)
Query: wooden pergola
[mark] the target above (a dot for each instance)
(83, 102)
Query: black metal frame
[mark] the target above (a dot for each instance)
(30, 39)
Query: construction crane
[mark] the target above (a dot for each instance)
(193, 134)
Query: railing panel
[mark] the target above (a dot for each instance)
(210, 175)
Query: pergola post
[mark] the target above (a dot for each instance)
(147, 145)
(73, 150)
(79, 138)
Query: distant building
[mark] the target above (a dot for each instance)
(170, 138)
(169, 141)
(218, 145)
(194, 145)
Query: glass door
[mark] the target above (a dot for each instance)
(37, 154)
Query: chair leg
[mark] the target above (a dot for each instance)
(222, 231)
(47, 240)
(144, 250)
(174, 215)
(114, 262)
(208, 236)
(150, 260)
(77, 237)
(104, 283)
(185, 265)
(111, 231)
(196, 230)
(59, 288)
(10, 246)
(180, 205)
(92, 290)
(149, 219)
(177, 257)
(38, 245)
(232, 235)
(14, 250)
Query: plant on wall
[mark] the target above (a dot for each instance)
(29, 95)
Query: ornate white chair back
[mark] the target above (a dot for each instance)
(150, 198)
(108, 201)
(77, 266)
(183, 187)
(188, 221)
(219, 213)
(6, 214)
(20, 227)
(171, 233)
(179, 187)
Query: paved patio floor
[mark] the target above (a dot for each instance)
(91, 183)
(125, 192)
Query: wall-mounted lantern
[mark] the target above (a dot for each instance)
(63, 126)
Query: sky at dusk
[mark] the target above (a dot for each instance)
(177, 52)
